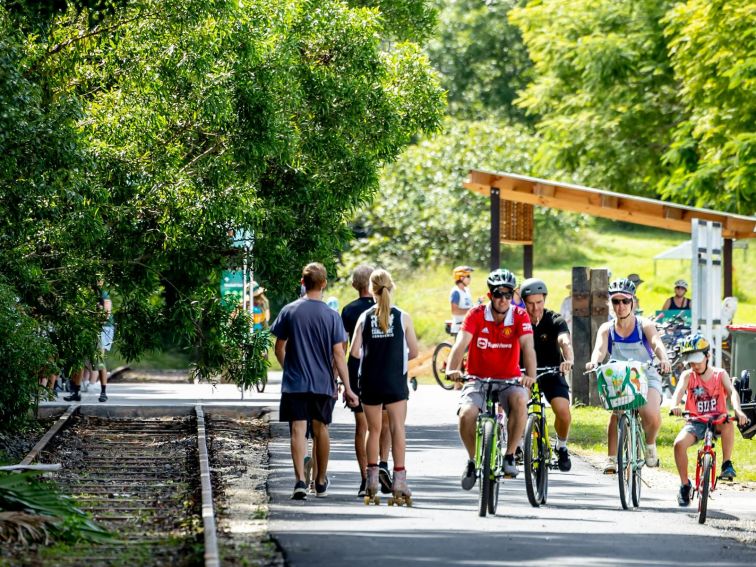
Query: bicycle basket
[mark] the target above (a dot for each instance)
(622, 385)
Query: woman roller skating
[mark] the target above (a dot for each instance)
(384, 341)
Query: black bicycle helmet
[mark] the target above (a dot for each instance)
(623, 286)
(499, 278)
(533, 286)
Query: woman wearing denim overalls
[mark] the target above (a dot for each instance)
(628, 337)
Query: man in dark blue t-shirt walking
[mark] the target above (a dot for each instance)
(309, 344)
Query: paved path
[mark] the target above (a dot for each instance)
(583, 523)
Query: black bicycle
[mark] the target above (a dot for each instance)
(538, 454)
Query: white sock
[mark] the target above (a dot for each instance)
(561, 443)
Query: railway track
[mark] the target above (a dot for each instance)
(147, 481)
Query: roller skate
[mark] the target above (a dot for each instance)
(402, 494)
(371, 490)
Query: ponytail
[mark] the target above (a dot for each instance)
(381, 286)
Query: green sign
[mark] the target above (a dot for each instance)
(232, 286)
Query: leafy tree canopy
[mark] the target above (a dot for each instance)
(423, 215)
(603, 88)
(134, 136)
(481, 57)
(713, 156)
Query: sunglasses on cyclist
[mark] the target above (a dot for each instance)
(623, 301)
(498, 294)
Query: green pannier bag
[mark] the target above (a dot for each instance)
(622, 385)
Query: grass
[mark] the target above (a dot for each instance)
(588, 432)
(424, 293)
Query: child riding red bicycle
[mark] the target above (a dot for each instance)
(707, 388)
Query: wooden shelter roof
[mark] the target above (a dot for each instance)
(606, 204)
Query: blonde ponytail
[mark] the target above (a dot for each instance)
(381, 286)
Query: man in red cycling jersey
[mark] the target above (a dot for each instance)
(494, 334)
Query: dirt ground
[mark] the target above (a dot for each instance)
(239, 460)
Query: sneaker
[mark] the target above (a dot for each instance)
(510, 468)
(652, 459)
(300, 491)
(611, 465)
(384, 478)
(363, 487)
(103, 397)
(321, 490)
(468, 477)
(683, 497)
(728, 471)
(85, 386)
(75, 397)
(563, 459)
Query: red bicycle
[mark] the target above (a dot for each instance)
(706, 463)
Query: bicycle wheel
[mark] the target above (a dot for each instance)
(486, 447)
(703, 497)
(260, 386)
(536, 466)
(440, 355)
(624, 460)
(498, 467)
(637, 465)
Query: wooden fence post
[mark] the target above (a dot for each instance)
(581, 333)
(599, 315)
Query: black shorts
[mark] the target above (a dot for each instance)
(387, 390)
(306, 407)
(554, 386)
(353, 365)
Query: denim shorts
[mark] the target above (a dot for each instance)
(697, 429)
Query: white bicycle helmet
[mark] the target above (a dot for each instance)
(499, 278)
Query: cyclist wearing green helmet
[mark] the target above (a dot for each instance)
(551, 337)
(707, 389)
(629, 337)
(495, 334)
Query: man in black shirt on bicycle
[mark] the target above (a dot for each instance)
(551, 337)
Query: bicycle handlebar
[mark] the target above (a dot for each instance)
(714, 420)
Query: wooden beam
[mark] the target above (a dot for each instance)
(609, 202)
(628, 208)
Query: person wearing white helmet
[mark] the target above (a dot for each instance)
(495, 334)
(678, 302)
(629, 337)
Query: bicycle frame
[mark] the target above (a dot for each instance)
(537, 451)
(489, 460)
(706, 461)
(488, 414)
(630, 466)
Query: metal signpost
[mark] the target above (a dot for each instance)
(706, 268)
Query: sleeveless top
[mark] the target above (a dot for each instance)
(383, 353)
(706, 397)
(673, 307)
(633, 347)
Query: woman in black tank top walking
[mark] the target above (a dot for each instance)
(384, 341)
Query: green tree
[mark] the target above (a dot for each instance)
(424, 216)
(481, 57)
(713, 156)
(135, 137)
(603, 89)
